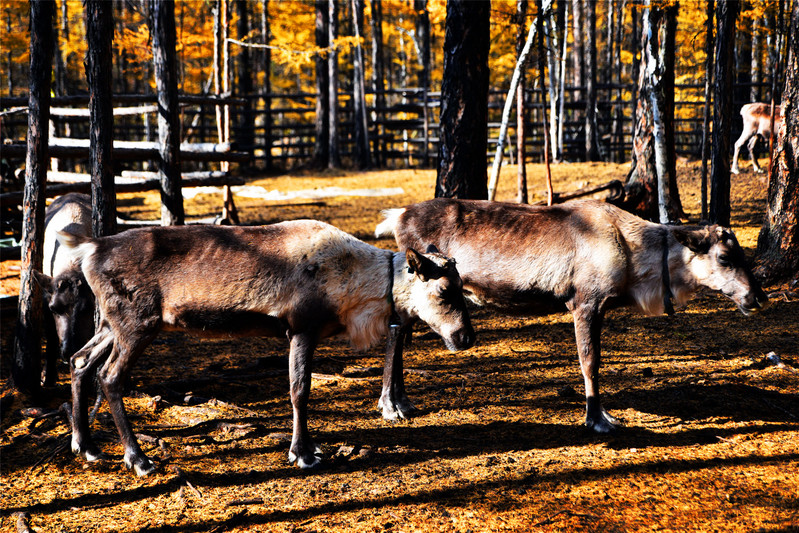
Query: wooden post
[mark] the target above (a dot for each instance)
(27, 366)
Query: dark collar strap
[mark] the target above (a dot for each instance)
(667, 294)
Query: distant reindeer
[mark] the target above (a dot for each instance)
(304, 280)
(757, 122)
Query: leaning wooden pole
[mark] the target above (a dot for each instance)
(514, 82)
(27, 367)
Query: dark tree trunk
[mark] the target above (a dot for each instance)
(726, 15)
(362, 155)
(164, 39)
(267, 67)
(463, 143)
(706, 112)
(246, 126)
(100, 33)
(423, 39)
(778, 242)
(578, 54)
(591, 139)
(378, 76)
(521, 172)
(334, 160)
(321, 153)
(27, 367)
(651, 190)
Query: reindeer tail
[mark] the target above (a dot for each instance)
(389, 224)
(80, 245)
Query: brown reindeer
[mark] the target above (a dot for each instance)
(303, 279)
(757, 123)
(584, 256)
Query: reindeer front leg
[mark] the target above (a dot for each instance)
(751, 147)
(394, 402)
(588, 329)
(82, 365)
(302, 451)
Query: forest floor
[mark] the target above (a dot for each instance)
(710, 442)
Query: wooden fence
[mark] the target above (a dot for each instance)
(402, 135)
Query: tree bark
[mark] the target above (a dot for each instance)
(726, 15)
(362, 154)
(246, 138)
(706, 112)
(321, 153)
(778, 243)
(651, 190)
(464, 102)
(166, 82)
(27, 367)
(267, 68)
(99, 33)
(423, 39)
(334, 160)
(378, 77)
(521, 171)
(591, 138)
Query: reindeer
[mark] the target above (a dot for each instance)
(583, 256)
(69, 304)
(303, 279)
(757, 122)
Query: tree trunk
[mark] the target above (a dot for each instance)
(166, 82)
(267, 67)
(27, 366)
(362, 155)
(521, 171)
(778, 242)
(706, 112)
(334, 160)
(542, 87)
(378, 77)
(464, 102)
(246, 136)
(591, 139)
(651, 190)
(100, 33)
(726, 15)
(321, 153)
(578, 55)
(423, 39)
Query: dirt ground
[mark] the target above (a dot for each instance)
(710, 443)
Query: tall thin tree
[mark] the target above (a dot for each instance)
(334, 154)
(464, 102)
(162, 13)
(726, 15)
(362, 155)
(27, 366)
(321, 149)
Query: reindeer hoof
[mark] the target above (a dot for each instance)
(307, 460)
(87, 450)
(603, 424)
(141, 465)
(401, 409)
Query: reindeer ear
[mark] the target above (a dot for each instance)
(432, 249)
(416, 263)
(696, 240)
(45, 282)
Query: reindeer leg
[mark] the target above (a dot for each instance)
(52, 351)
(738, 144)
(82, 366)
(751, 147)
(112, 377)
(588, 329)
(302, 451)
(394, 402)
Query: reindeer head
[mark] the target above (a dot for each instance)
(720, 264)
(71, 302)
(433, 292)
